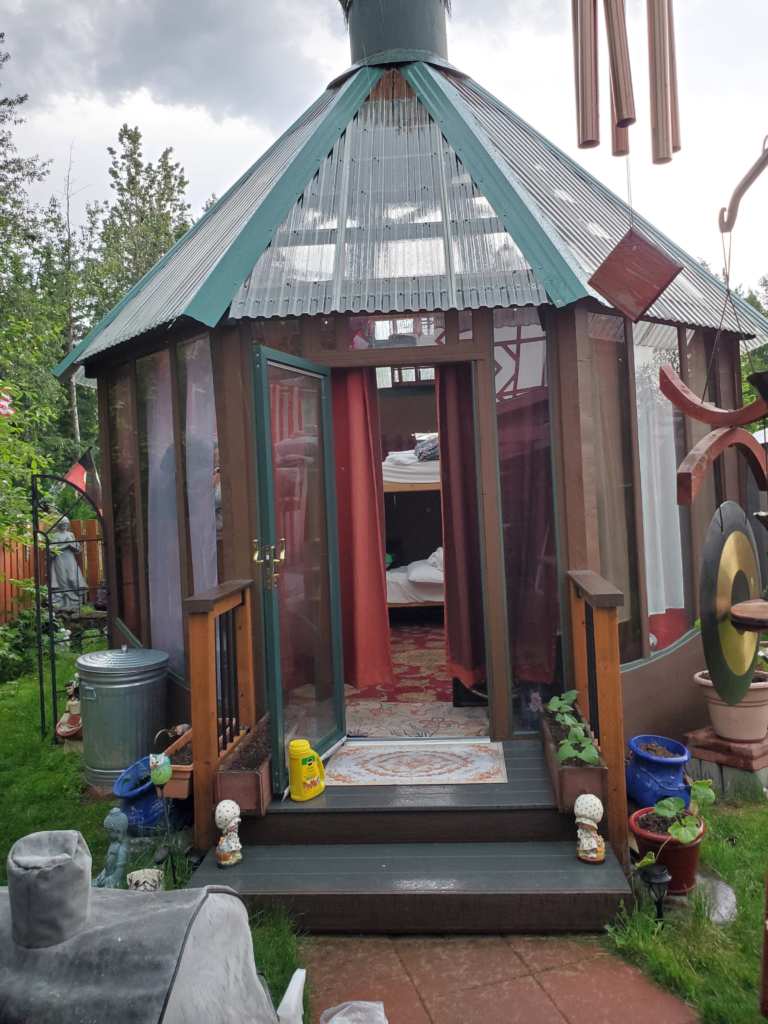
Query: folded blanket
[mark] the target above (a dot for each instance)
(400, 459)
(436, 559)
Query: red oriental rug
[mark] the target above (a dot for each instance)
(418, 658)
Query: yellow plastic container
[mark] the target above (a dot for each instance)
(305, 771)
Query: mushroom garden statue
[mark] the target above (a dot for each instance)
(229, 849)
(590, 845)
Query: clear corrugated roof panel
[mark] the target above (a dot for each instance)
(394, 185)
(591, 219)
(166, 294)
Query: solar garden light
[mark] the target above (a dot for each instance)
(160, 771)
(657, 878)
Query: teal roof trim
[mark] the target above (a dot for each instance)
(217, 292)
(546, 252)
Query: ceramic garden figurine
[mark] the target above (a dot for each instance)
(228, 819)
(66, 585)
(590, 846)
(146, 880)
(116, 823)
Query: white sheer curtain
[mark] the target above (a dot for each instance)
(162, 523)
(656, 344)
(202, 469)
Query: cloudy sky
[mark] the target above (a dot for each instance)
(220, 79)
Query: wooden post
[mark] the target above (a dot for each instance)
(579, 633)
(245, 677)
(92, 566)
(612, 727)
(205, 740)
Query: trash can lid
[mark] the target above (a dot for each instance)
(119, 661)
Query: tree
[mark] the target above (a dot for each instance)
(757, 359)
(149, 216)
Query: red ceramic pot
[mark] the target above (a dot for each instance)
(680, 859)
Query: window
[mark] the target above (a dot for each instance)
(614, 474)
(400, 331)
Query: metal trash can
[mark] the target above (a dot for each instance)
(122, 701)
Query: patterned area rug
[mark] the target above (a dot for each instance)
(418, 657)
(416, 764)
(434, 720)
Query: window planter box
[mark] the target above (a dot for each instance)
(569, 781)
(180, 785)
(251, 789)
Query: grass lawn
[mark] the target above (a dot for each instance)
(714, 967)
(42, 787)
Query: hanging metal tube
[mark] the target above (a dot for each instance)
(585, 60)
(674, 103)
(658, 50)
(621, 72)
(619, 136)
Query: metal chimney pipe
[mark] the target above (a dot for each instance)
(658, 50)
(585, 63)
(621, 72)
(674, 102)
(619, 136)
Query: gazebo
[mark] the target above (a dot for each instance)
(411, 261)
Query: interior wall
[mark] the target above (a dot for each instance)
(404, 411)
(414, 525)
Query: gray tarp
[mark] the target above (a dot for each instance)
(182, 957)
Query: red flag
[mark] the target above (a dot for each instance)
(84, 475)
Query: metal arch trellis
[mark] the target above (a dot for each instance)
(45, 612)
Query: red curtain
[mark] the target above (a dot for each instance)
(362, 538)
(527, 506)
(464, 626)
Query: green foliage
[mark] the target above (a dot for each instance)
(714, 967)
(277, 951)
(577, 743)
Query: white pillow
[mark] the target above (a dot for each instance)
(423, 572)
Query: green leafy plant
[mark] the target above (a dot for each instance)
(687, 830)
(577, 743)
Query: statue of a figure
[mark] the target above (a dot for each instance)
(590, 846)
(116, 823)
(66, 584)
(229, 850)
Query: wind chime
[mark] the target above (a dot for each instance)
(665, 110)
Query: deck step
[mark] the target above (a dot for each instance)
(423, 888)
(523, 809)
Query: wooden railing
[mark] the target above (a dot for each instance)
(222, 688)
(596, 665)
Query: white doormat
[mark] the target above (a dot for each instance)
(416, 763)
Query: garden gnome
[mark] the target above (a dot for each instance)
(66, 585)
(590, 846)
(229, 850)
(116, 823)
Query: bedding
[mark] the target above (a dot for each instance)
(422, 572)
(401, 590)
(415, 472)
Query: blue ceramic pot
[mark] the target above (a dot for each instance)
(140, 803)
(651, 778)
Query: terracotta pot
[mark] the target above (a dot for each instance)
(680, 859)
(180, 785)
(745, 722)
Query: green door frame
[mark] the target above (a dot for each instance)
(262, 357)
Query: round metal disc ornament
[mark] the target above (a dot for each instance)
(730, 573)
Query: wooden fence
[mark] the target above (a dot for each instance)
(16, 563)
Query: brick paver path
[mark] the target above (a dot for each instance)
(486, 980)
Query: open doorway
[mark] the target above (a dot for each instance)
(421, 698)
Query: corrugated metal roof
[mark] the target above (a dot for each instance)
(395, 185)
(591, 219)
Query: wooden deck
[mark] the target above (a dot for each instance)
(426, 859)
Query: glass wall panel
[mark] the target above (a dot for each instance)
(666, 525)
(158, 483)
(121, 435)
(396, 331)
(614, 479)
(281, 335)
(200, 454)
(527, 507)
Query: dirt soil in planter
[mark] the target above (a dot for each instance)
(759, 676)
(559, 732)
(182, 756)
(658, 824)
(252, 757)
(656, 749)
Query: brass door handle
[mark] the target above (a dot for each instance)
(280, 559)
(257, 552)
(270, 559)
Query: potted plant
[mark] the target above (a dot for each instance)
(669, 834)
(245, 776)
(655, 769)
(574, 762)
(180, 755)
(745, 722)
